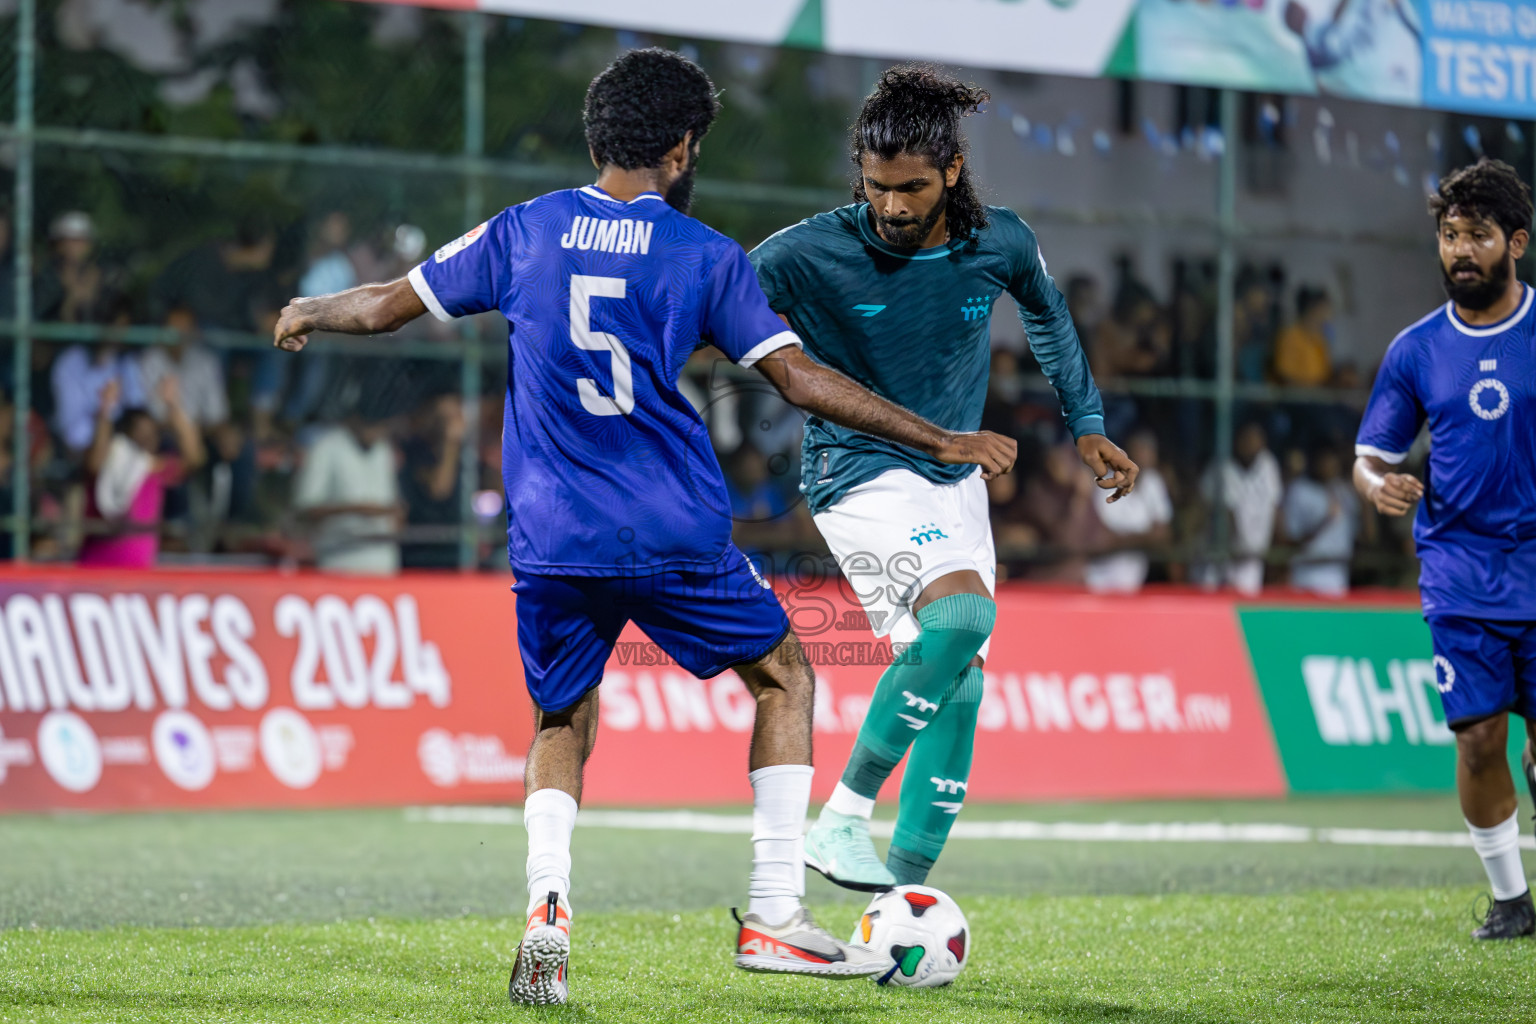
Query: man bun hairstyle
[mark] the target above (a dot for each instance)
(1487, 190)
(916, 108)
(643, 104)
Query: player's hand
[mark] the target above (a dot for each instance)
(1112, 468)
(1397, 494)
(292, 329)
(994, 453)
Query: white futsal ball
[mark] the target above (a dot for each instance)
(921, 930)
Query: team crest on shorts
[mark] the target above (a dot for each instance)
(1445, 674)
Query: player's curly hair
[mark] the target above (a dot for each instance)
(643, 104)
(916, 108)
(1488, 190)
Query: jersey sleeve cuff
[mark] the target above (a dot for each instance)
(1085, 425)
(427, 295)
(1390, 458)
(781, 340)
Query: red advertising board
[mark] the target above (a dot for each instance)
(234, 689)
(1086, 697)
(240, 690)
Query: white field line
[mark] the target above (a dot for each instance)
(1048, 831)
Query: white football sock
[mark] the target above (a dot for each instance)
(1499, 847)
(781, 794)
(846, 801)
(549, 815)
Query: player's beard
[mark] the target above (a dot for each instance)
(680, 193)
(911, 232)
(1480, 292)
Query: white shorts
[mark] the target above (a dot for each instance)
(897, 533)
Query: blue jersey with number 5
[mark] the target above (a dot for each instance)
(608, 469)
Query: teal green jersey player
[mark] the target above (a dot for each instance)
(896, 291)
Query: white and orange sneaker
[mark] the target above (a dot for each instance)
(800, 946)
(543, 957)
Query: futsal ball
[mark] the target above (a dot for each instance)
(921, 930)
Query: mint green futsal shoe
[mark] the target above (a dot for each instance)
(839, 846)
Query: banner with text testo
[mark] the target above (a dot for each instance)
(254, 689)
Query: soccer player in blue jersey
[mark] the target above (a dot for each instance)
(896, 291)
(617, 510)
(1469, 370)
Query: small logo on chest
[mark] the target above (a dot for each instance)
(976, 309)
(1489, 398)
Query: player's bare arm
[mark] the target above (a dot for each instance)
(1390, 492)
(366, 309)
(826, 393)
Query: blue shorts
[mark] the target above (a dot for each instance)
(1483, 667)
(704, 620)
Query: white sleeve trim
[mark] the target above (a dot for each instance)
(427, 295)
(783, 339)
(1390, 458)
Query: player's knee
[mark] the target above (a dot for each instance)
(785, 669)
(966, 618)
(1481, 745)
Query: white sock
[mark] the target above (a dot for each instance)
(1499, 847)
(549, 815)
(846, 801)
(781, 794)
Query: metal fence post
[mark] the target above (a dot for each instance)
(1226, 341)
(21, 243)
(474, 202)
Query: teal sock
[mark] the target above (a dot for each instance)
(912, 690)
(938, 773)
(909, 867)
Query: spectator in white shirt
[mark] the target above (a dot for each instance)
(1250, 490)
(1140, 520)
(348, 487)
(1321, 516)
(203, 394)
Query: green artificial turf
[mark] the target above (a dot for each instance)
(373, 915)
(1374, 955)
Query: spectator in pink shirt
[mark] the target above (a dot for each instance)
(127, 476)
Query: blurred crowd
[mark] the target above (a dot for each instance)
(204, 444)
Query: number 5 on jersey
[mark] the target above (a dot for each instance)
(583, 290)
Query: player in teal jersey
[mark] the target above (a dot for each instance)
(896, 291)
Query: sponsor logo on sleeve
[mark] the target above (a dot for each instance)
(459, 244)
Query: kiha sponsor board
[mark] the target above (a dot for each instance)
(248, 690)
(1354, 698)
